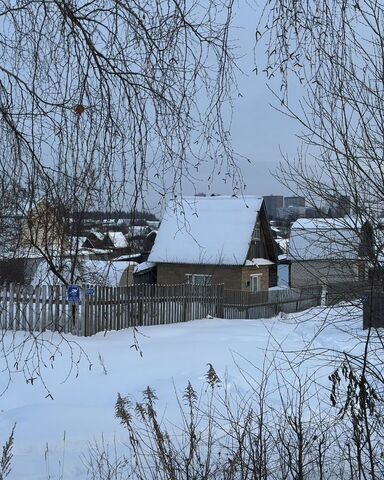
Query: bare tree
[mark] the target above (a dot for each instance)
(102, 101)
(332, 52)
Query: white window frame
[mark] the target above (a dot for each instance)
(256, 235)
(192, 277)
(256, 278)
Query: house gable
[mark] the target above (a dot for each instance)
(262, 244)
(223, 240)
(206, 230)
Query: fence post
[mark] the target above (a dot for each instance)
(84, 311)
(11, 306)
(220, 301)
(43, 311)
(184, 297)
(139, 296)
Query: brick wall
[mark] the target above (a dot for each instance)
(169, 274)
(246, 273)
(235, 278)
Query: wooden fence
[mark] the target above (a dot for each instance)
(345, 291)
(240, 304)
(113, 308)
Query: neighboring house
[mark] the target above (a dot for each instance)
(114, 243)
(44, 227)
(94, 240)
(111, 240)
(216, 240)
(329, 250)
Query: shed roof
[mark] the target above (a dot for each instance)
(325, 239)
(206, 230)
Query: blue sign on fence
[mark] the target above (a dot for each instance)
(73, 294)
(90, 291)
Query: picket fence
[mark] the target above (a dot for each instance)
(113, 308)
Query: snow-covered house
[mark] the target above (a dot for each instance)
(216, 240)
(94, 240)
(115, 240)
(329, 250)
(44, 226)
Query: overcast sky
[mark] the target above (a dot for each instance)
(258, 131)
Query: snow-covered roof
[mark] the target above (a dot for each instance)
(124, 258)
(95, 251)
(102, 272)
(349, 222)
(283, 243)
(97, 234)
(141, 267)
(153, 223)
(258, 262)
(94, 272)
(324, 239)
(118, 239)
(122, 221)
(206, 230)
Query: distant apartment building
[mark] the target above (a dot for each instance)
(285, 208)
(294, 202)
(291, 213)
(273, 203)
(340, 207)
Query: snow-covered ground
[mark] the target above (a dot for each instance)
(52, 434)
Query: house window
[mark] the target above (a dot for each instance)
(199, 279)
(256, 232)
(256, 282)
